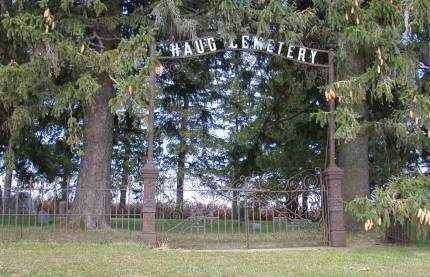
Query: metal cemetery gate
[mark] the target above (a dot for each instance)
(334, 231)
(245, 215)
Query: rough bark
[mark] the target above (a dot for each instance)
(124, 181)
(7, 188)
(65, 186)
(92, 202)
(424, 84)
(4, 8)
(126, 162)
(235, 205)
(182, 157)
(354, 157)
(354, 160)
(236, 183)
(180, 177)
(356, 179)
(8, 181)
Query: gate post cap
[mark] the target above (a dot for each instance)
(150, 170)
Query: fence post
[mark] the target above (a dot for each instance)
(333, 175)
(336, 227)
(149, 174)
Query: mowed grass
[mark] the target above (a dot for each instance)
(167, 225)
(175, 233)
(188, 240)
(85, 259)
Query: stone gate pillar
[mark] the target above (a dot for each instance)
(333, 177)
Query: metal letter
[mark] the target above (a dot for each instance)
(281, 44)
(245, 42)
(211, 43)
(174, 48)
(290, 51)
(302, 53)
(313, 55)
(270, 45)
(188, 50)
(199, 46)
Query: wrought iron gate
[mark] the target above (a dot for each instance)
(246, 214)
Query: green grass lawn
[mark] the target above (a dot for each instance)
(189, 240)
(176, 233)
(166, 225)
(86, 259)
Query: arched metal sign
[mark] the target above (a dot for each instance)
(252, 43)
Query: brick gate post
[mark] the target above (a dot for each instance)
(149, 174)
(333, 176)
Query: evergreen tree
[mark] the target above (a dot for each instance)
(377, 80)
(66, 51)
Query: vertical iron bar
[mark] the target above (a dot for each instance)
(273, 222)
(332, 123)
(246, 219)
(231, 215)
(238, 213)
(115, 226)
(55, 212)
(218, 219)
(3, 212)
(225, 220)
(15, 211)
(259, 217)
(128, 215)
(67, 208)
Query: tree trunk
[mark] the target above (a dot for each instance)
(65, 186)
(92, 203)
(354, 155)
(8, 180)
(7, 188)
(181, 175)
(235, 205)
(124, 181)
(424, 84)
(4, 8)
(126, 162)
(354, 160)
(182, 157)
